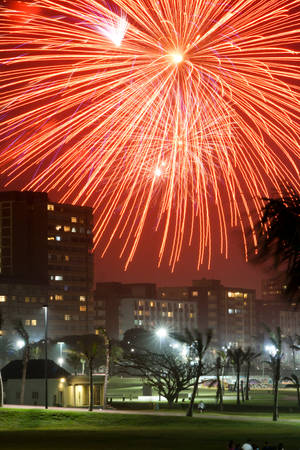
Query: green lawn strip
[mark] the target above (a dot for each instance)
(36, 429)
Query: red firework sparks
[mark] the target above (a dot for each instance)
(146, 106)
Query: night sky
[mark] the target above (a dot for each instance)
(250, 173)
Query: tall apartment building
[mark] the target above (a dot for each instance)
(45, 259)
(229, 312)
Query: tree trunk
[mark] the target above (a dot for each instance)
(1, 391)
(107, 363)
(238, 401)
(24, 371)
(219, 390)
(276, 383)
(248, 381)
(91, 406)
(191, 405)
(242, 391)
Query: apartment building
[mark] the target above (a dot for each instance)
(45, 259)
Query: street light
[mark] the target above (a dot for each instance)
(161, 333)
(20, 344)
(45, 307)
(60, 360)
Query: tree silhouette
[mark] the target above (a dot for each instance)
(278, 234)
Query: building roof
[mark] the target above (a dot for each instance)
(35, 370)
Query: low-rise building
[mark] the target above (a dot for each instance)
(64, 389)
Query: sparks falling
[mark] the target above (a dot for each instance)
(152, 107)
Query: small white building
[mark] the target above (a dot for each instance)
(64, 389)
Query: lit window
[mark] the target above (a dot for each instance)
(152, 304)
(67, 258)
(27, 322)
(73, 230)
(58, 297)
(67, 228)
(27, 299)
(67, 317)
(57, 238)
(163, 314)
(140, 313)
(58, 278)
(191, 315)
(50, 207)
(195, 293)
(82, 298)
(141, 302)
(97, 332)
(180, 305)
(50, 238)
(33, 323)
(163, 305)
(74, 219)
(58, 227)
(245, 295)
(51, 297)
(170, 314)
(2, 298)
(82, 308)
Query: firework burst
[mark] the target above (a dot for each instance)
(152, 107)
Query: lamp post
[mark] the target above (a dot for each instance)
(45, 307)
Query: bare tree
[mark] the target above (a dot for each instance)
(167, 372)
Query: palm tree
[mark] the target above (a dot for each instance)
(198, 345)
(220, 366)
(20, 329)
(107, 346)
(278, 234)
(236, 357)
(250, 356)
(88, 347)
(293, 343)
(275, 363)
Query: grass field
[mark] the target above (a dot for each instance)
(60, 430)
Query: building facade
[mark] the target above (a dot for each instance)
(206, 304)
(45, 259)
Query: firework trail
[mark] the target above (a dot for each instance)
(141, 107)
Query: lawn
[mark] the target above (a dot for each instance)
(58, 430)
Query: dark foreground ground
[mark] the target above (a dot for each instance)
(63, 430)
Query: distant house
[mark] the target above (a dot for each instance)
(64, 389)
